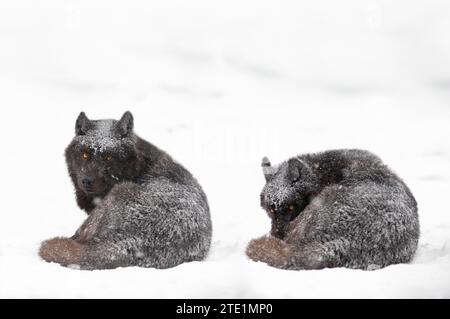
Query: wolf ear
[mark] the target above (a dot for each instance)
(126, 124)
(267, 168)
(294, 170)
(82, 124)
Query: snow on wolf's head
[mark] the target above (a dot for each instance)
(286, 192)
(101, 154)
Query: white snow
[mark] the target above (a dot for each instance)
(219, 86)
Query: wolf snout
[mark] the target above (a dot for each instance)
(91, 185)
(87, 182)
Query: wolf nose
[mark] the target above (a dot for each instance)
(87, 182)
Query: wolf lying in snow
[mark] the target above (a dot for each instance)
(144, 208)
(341, 208)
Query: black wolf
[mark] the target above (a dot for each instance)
(144, 208)
(339, 208)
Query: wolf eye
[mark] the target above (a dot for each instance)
(291, 208)
(85, 156)
(272, 209)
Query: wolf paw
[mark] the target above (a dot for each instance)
(270, 250)
(64, 251)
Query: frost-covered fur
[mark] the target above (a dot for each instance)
(340, 208)
(144, 208)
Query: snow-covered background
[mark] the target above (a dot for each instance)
(219, 84)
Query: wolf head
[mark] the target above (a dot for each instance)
(287, 191)
(102, 154)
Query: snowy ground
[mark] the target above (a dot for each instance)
(219, 85)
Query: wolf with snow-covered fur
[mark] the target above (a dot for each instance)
(144, 208)
(339, 208)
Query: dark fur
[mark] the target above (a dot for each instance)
(341, 208)
(144, 208)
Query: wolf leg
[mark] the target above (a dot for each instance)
(277, 253)
(102, 255)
